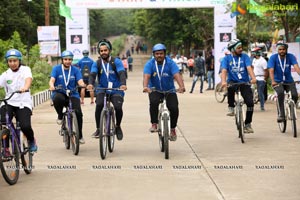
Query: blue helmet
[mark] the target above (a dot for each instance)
(159, 47)
(13, 53)
(67, 54)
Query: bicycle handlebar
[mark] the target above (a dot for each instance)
(238, 84)
(12, 94)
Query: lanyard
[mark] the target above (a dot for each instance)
(161, 73)
(234, 63)
(63, 72)
(107, 67)
(282, 67)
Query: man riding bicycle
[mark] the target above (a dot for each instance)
(18, 77)
(280, 65)
(111, 74)
(237, 67)
(160, 72)
(68, 77)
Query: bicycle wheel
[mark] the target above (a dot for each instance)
(281, 125)
(220, 93)
(166, 130)
(112, 131)
(293, 118)
(103, 133)
(9, 158)
(26, 156)
(65, 133)
(74, 136)
(241, 123)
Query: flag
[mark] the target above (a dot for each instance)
(64, 10)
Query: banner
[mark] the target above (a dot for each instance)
(48, 39)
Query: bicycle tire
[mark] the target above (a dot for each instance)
(74, 136)
(281, 125)
(241, 123)
(26, 156)
(220, 93)
(112, 127)
(9, 165)
(65, 132)
(166, 130)
(102, 134)
(160, 136)
(293, 119)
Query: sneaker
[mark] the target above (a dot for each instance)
(96, 134)
(262, 109)
(153, 128)
(59, 121)
(280, 119)
(191, 91)
(248, 129)
(173, 136)
(6, 153)
(230, 111)
(119, 133)
(81, 141)
(32, 146)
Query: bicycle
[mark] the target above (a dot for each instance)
(107, 125)
(240, 110)
(164, 123)
(290, 111)
(221, 93)
(69, 128)
(13, 144)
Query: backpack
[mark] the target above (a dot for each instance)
(111, 62)
(85, 72)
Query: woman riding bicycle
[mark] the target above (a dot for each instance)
(280, 65)
(67, 76)
(18, 77)
(160, 72)
(237, 67)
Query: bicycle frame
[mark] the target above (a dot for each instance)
(15, 131)
(163, 110)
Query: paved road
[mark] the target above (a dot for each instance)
(206, 162)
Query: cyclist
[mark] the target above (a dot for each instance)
(160, 72)
(68, 77)
(279, 66)
(18, 77)
(85, 66)
(260, 70)
(111, 74)
(237, 67)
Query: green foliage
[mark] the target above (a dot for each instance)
(118, 45)
(40, 69)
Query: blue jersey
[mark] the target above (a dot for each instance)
(279, 76)
(85, 61)
(236, 67)
(107, 74)
(161, 80)
(75, 76)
